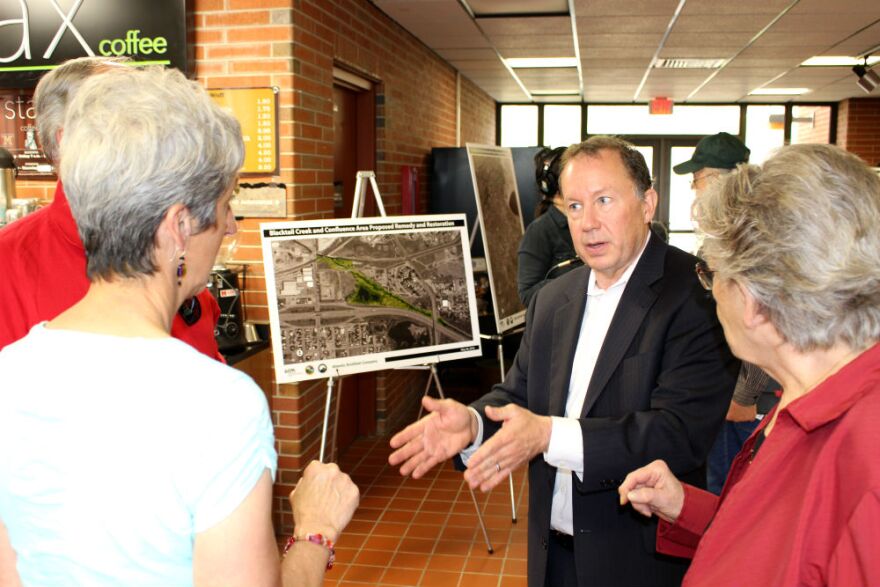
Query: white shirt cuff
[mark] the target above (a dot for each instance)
(566, 448)
(469, 451)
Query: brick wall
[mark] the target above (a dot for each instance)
(294, 45)
(475, 108)
(858, 128)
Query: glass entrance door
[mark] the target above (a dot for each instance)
(676, 197)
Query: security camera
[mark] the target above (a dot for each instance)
(868, 78)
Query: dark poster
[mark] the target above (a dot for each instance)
(36, 35)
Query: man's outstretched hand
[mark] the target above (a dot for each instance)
(448, 428)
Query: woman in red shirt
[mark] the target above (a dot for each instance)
(792, 252)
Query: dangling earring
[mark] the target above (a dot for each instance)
(181, 269)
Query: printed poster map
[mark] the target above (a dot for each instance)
(363, 294)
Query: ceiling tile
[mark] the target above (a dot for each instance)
(551, 25)
(618, 38)
(625, 8)
(622, 24)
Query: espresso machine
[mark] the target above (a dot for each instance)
(229, 332)
(224, 286)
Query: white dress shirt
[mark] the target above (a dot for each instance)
(566, 448)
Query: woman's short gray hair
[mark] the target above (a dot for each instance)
(135, 143)
(801, 233)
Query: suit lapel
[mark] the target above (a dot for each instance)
(566, 327)
(637, 299)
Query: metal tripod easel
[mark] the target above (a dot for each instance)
(357, 212)
(433, 377)
(499, 339)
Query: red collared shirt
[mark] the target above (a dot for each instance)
(806, 510)
(43, 269)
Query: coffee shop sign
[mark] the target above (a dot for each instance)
(132, 43)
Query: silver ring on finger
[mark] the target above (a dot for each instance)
(497, 468)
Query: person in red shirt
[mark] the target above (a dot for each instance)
(791, 258)
(42, 257)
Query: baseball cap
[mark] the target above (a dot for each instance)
(721, 151)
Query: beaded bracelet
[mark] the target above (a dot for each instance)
(315, 539)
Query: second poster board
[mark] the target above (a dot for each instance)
(501, 224)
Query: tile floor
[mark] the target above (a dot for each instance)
(425, 532)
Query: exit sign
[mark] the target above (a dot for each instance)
(660, 106)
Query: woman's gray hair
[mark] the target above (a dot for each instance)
(801, 233)
(57, 88)
(135, 143)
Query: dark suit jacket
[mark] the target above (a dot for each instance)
(660, 390)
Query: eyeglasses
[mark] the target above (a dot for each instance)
(705, 275)
(697, 180)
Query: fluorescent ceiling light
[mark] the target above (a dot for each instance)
(555, 92)
(531, 62)
(778, 91)
(518, 7)
(838, 61)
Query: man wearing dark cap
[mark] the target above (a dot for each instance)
(754, 395)
(714, 155)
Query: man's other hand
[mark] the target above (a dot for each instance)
(523, 435)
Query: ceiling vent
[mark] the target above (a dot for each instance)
(678, 63)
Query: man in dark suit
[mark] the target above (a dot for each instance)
(622, 362)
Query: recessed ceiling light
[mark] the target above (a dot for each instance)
(531, 62)
(778, 91)
(838, 61)
(490, 8)
(682, 63)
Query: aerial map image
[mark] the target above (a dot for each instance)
(502, 227)
(365, 294)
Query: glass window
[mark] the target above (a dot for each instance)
(519, 126)
(681, 199)
(765, 131)
(686, 241)
(681, 196)
(562, 125)
(810, 124)
(684, 120)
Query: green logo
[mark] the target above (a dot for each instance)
(133, 44)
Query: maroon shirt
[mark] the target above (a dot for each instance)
(43, 273)
(806, 510)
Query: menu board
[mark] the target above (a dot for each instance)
(18, 134)
(257, 111)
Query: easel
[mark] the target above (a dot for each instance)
(432, 377)
(499, 340)
(357, 210)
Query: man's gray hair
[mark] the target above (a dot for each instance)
(57, 88)
(801, 233)
(135, 143)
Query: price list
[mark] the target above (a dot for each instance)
(256, 110)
